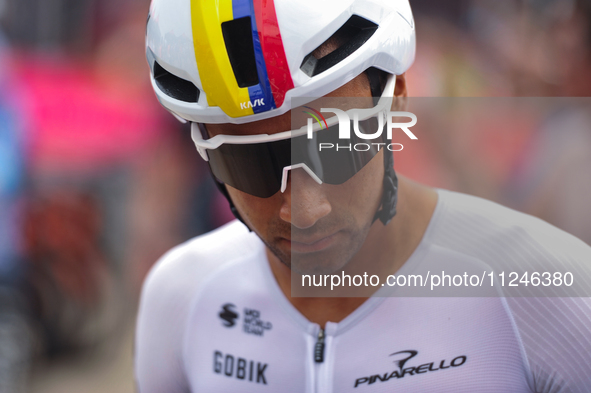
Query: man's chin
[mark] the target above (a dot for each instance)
(329, 255)
(324, 262)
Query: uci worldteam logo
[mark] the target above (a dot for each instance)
(228, 315)
(343, 119)
(252, 322)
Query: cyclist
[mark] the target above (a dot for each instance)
(217, 313)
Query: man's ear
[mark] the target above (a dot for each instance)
(400, 90)
(400, 94)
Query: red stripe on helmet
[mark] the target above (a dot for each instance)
(273, 50)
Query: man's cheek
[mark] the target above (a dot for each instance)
(258, 212)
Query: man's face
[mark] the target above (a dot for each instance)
(312, 228)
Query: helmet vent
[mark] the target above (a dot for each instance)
(175, 87)
(239, 45)
(350, 37)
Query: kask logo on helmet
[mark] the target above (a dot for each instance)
(360, 115)
(252, 104)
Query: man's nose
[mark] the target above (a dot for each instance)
(304, 200)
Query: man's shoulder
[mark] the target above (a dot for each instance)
(180, 272)
(167, 296)
(481, 227)
(213, 248)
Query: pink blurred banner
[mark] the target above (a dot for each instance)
(79, 122)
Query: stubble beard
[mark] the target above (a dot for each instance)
(336, 258)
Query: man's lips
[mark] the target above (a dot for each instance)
(302, 245)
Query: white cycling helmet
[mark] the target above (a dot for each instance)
(237, 61)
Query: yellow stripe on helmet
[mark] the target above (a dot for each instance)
(215, 70)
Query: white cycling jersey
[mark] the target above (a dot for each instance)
(213, 319)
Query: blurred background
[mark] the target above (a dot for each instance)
(97, 181)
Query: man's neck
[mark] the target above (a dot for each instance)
(388, 247)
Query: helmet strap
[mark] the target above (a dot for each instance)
(390, 192)
(222, 187)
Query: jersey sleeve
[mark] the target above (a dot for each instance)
(556, 337)
(166, 299)
(161, 319)
(554, 330)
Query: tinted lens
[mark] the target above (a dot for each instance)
(253, 168)
(336, 160)
(257, 169)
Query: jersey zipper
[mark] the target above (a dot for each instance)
(322, 361)
(319, 347)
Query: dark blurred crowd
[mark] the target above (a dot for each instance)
(97, 181)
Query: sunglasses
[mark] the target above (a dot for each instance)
(259, 165)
